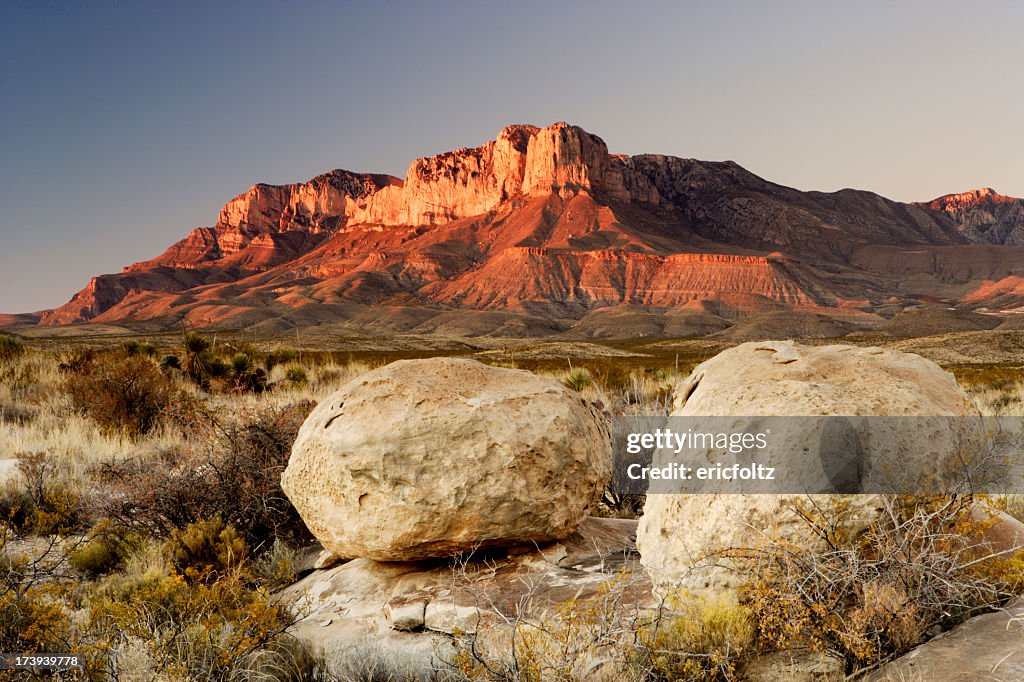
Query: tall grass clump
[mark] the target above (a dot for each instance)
(11, 349)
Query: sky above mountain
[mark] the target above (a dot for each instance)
(123, 126)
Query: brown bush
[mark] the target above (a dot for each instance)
(125, 393)
(231, 471)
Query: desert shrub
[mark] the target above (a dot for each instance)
(868, 598)
(76, 361)
(610, 374)
(19, 380)
(249, 350)
(206, 550)
(241, 364)
(648, 394)
(230, 470)
(206, 630)
(17, 413)
(125, 394)
(197, 357)
(287, 659)
(697, 639)
(367, 660)
(276, 567)
(45, 501)
(16, 377)
(35, 612)
(296, 375)
(33, 618)
(997, 377)
(34, 621)
(96, 557)
(106, 550)
(280, 356)
(11, 349)
(134, 347)
(578, 379)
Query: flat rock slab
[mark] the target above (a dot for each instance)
(410, 609)
(989, 647)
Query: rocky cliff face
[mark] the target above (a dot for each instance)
(545, 221)
(984, 215)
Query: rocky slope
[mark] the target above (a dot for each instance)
(545, 225)
(984, 215)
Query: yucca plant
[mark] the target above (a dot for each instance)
(297, 375)
(247, 376)
(578, 379)
(198, 362)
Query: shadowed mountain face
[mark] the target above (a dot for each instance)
(542, 226)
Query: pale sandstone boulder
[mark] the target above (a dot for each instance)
(678, 533)
(426, 458)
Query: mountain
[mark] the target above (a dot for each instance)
(543, 227)
(984, 215)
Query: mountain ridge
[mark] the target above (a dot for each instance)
(546, 223)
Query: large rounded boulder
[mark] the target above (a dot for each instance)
(681, 537)
(427, 458)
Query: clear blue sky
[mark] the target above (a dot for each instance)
(122, 126)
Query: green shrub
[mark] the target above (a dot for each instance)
(96, 557)
(198, 361)
(241, 364)
(246, 375)
(106, 551)
(134, 347)
(276, 567)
